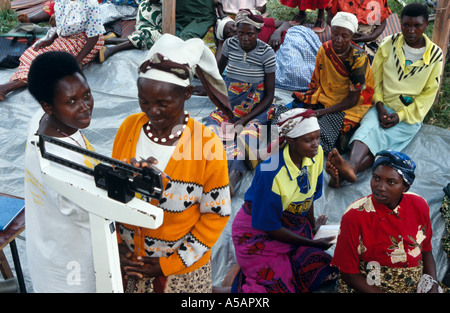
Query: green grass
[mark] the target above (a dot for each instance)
(8, 20)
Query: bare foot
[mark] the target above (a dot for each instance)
(103, 54)
(345, 170)
(334, 175)
(23, 18)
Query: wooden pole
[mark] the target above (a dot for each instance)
(441, 31)
(5, 5)
(441, 28)
(168, 16)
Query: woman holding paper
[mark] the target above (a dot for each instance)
(384, 242)
(273, 233)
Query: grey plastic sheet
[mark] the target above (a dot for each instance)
(114, 88)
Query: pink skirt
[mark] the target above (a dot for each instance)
(271, 266)
(73, 44)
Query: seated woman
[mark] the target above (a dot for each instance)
(407, 72)
(341, 86)
(57, 230)
(196, 201)
(193, 20)
(371, 17)
(384, 242)
(79, 31)
(250, 79)
(148, 29)
(296, 59)
(273, 232)
(272, 32)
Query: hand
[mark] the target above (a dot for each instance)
(324, 243)
(144, 267)
(319, 113)
(143, 163)
(239, 125)
(321, 220)
(149, 162)
(41, 44)
(382, 112)
(389, 120)
(360, 37)
(275, 40)
(138, 267)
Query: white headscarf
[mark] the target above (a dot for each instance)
(297, 122)
(175, 61)
(346, 20)
(220, 26)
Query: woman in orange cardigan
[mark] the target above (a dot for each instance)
(196, 199)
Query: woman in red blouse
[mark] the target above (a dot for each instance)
(384, 243)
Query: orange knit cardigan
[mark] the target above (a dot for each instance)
(196, 201)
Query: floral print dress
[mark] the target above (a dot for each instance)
(384, 245)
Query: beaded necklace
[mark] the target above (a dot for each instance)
(148, 131)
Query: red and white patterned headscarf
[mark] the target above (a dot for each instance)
(297, 122)
(246, 16)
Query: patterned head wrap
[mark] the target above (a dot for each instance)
(346, 20)
(246, 16)
(297, 122)
(175, 61)
(399, 161)
(220, 26)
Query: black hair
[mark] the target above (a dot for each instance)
(415, 10)
(47, 70)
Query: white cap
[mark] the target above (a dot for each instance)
(346, 20)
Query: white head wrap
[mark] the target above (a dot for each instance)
(190, 53)
(297, 122)
(220, 26)
(171, 57)
(346, 20)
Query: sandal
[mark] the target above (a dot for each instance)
(320, 28)
(101, 54)
(298, 19)
(109, 36)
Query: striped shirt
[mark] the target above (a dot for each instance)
(249, 67)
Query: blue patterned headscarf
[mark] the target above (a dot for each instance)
(399, 161)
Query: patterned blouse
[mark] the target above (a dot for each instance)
(77, 16)
(394, 238)
(368, 12)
